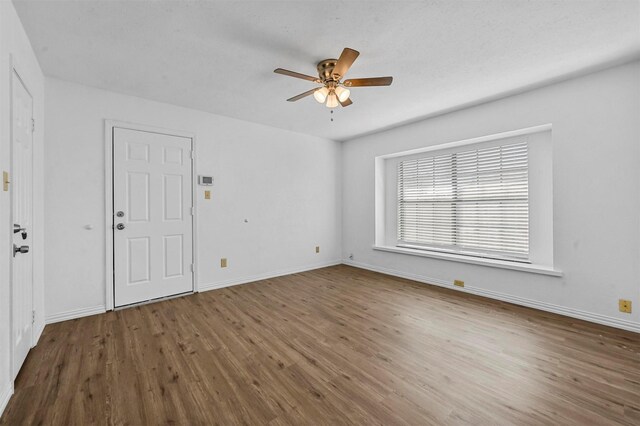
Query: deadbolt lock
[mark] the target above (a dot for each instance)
(17, 228)
(120, 214)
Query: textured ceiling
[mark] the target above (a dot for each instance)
(219, 56)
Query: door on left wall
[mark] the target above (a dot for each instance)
(22, 126)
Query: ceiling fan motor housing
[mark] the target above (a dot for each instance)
(325, 68)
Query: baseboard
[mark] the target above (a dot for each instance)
(530, 303)
(5, 396)
(85, 312)
(75, 313)
(265, 276)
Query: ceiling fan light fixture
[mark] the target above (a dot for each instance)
(333, 91)
(332, 100)
(321, 94)
(342, 93)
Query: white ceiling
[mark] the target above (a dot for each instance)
(219, 56)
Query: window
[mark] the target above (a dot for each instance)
(472, 201)
(486, 200)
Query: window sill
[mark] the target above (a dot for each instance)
(524, 267)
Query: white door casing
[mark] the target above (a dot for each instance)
(152, 239)
(22, 221)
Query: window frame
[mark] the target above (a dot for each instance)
(540, 199)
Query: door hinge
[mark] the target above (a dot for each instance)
(33, 317)
(193, 155)
(193, 267)
(193, 211)
(33, 125)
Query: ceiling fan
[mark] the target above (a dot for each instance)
(330, 72)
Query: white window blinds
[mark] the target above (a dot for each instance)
(472, 202)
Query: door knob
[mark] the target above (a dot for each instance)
(120, 226)
(20, 249)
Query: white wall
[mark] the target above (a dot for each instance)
(596, 184)
(15, 48)
(287, 185)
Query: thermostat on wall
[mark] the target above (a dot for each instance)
(205, 180)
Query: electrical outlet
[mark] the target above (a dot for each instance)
(317, 249)
(624, 306)
(223, 262)
(207, 195)
(458, 283)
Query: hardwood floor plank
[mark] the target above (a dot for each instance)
(332, 346)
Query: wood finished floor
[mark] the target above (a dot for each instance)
(335, 346)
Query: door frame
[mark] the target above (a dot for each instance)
(14, 68)
(109, 125)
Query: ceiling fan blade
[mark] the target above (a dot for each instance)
(302, 95)
(346, 103)
(297, 75)
(374, 81)
(346, 59)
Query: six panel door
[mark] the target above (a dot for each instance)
(153, 222)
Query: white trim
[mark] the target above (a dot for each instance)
(516, 300)
(265, 276)
(5, 396)
(108, 194)
(108, 191)
(75, 313)
(493, 263)
(464, 142)
(194, 216)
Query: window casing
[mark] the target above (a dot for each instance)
(470, 201)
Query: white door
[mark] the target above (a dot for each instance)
(22, 214)
(152, 216)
